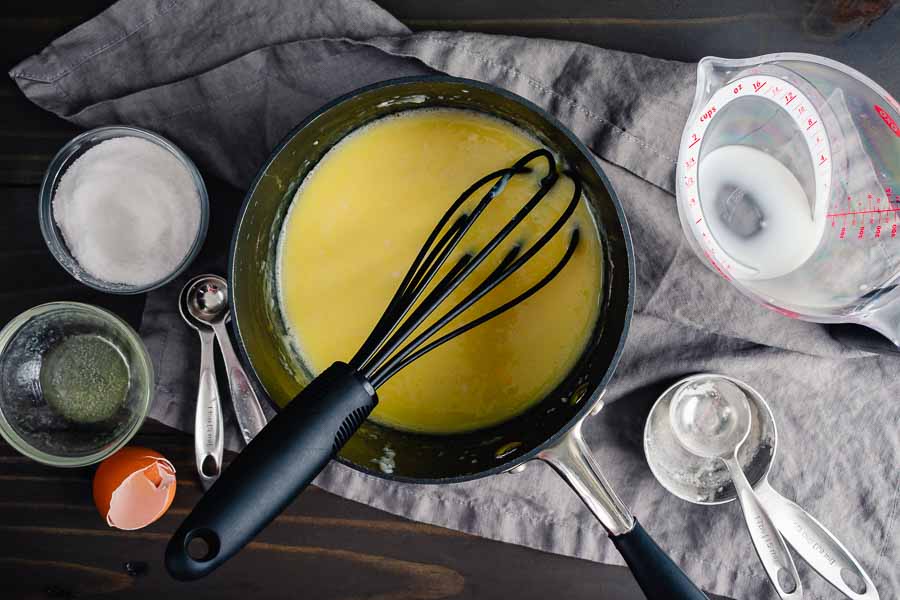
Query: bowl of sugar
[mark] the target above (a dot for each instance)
(123, 210)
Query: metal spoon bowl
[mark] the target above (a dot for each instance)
(208, 300)
(710, 418)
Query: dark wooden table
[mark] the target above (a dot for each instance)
(53, 544)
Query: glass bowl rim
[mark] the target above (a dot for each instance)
(22, 445)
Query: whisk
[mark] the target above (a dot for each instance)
(293, 448)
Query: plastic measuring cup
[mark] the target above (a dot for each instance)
(788, 185)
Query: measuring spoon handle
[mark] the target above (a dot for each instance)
(770, 547)
(247, 409)
(817, 545)
(208, 428)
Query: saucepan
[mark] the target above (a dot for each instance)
(231, 513)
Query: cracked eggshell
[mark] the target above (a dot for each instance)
(134, 487)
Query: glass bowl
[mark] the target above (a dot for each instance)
(50, 407)
(52, 234)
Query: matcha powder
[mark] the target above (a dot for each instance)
(84, 379)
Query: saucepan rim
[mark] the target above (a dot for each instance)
(600, 388)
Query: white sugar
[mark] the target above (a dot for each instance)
(129, 211)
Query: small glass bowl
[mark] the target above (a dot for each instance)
(52, 234)
(29, 423)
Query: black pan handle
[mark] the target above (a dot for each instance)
(657, 574)
(659, 577)
(276, 466)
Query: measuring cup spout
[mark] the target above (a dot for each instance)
(885, 320)
(709, 78)
(714, 72)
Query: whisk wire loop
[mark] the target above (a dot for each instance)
(510, 263)
(381, 355)
(431, 257)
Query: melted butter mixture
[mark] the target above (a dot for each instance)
(357, 223)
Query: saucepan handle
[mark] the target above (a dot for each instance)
(657, 574)
(276, 466)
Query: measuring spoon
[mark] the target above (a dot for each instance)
(208, 302)
(711, 418)
(208, 427)
(690, 478)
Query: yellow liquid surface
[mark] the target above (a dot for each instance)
(359, 220)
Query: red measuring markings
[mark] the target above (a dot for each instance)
(697, 222)
(789, 97)
(694, 140)
(822, 159)
(878, 232)
(810, 126)
(863, 212)
(782, 311)
(894, 230)
(757, 85)
(888, 120)
(716, 265)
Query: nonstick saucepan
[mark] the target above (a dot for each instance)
(276, 465)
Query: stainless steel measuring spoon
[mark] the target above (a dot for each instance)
(711, 418)
(208, 427)
(208, 302)
(690, 478)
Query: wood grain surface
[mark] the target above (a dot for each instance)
(54, 544)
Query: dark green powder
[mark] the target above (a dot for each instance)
(84, 378)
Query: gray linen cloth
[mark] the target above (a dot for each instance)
(226, 80)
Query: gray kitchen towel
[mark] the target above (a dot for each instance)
(227, 79)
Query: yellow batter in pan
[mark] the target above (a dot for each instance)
(357, 223)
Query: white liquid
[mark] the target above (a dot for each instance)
(757, 210)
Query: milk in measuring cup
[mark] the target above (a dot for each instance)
(759, 212)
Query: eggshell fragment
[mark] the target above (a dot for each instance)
(134, 487)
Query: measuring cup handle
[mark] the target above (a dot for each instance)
(767, 541)
(276, 466)
(818, 546)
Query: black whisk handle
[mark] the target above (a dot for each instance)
(276, 466)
